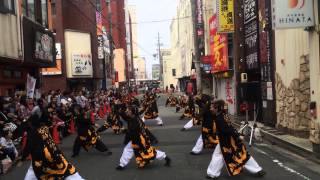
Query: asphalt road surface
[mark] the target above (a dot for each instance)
(277, 162)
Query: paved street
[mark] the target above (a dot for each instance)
(277, 162)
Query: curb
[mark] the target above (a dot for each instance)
(273, 139)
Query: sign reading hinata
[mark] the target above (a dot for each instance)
(292, 13)
(81, 64)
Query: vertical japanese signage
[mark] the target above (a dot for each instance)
(218, 47)
(251, 33)
(99, 35)
(225, 16)
(265, 30)
(200, 27)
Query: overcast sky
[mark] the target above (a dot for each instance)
(153, 10)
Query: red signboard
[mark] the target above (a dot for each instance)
(218, 47)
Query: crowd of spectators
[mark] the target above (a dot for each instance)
(15, 111)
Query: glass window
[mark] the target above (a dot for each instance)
(30, 9)
(173, 72)
(7, 6)
(7, 73)
(44, 12)
(53, 8)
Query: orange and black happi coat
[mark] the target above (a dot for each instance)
(234, 151)
(208, 130)
(141, 142)
(171, 101)
(150, 107)
(113, 120)
(48, 161)
(86, 133)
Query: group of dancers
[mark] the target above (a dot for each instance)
(49, 162)
(217, 133)
(127, 115)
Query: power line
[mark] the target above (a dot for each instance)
(119, 29)
(115, 25)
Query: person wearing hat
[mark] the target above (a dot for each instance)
(230, 150)
(48, 161)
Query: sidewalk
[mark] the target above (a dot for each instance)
(300, 146)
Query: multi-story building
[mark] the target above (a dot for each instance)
(139, 62)
(169, 69)
(83, 27)
(26, 44)
(182, 42)
(140, 68)
(76, 32)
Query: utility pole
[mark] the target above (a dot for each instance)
(196, 59)
(160, 57)
(110, 38)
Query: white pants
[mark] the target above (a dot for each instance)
(32, 176)
(217, 162)
(189, 124)
(128, 154)
(158, 120)
(199, 145)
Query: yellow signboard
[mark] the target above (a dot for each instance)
(225, 16)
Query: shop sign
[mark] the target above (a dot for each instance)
(251, 33)
(57, 70)
(218, 46)
(292, 13)
(81, 64)
(225, 12)
(43, 47)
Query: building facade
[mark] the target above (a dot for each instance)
(181, 31)
(156, 72)
(140, 68)
(26, 43)
(169, 69)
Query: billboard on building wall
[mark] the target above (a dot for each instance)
(251, 33)
(81, 64)
(218, 47)
(78, 54)
(225, 10)
(57, 70)
(292, 13)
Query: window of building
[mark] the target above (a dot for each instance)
(230, 51)
(44, 12)
(7, 73)
(7, 6)
(173, 72)
(53, 8)
(28, 7)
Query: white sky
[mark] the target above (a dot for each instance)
(153, 10)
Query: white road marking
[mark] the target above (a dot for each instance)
(282, 165)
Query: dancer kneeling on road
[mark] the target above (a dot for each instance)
(138, 142)
(48, 162)
(230, 151)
